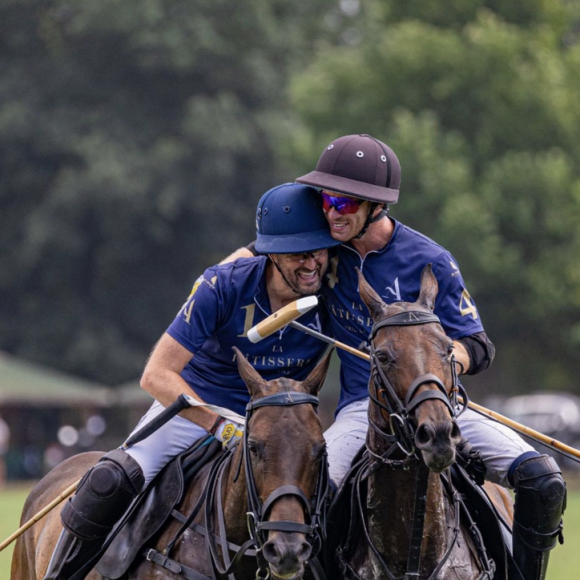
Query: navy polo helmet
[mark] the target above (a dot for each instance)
(289, 220)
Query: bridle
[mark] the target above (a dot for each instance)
(213, 510)
(401, 435)
(315, 508)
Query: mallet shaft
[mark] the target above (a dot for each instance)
(329, 340)
(38, 516)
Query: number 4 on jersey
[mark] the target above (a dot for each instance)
(467, 306)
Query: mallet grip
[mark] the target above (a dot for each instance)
(281, 318)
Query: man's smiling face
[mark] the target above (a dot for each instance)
(304, 272)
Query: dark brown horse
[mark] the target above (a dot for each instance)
(407, 522)
(277, 475)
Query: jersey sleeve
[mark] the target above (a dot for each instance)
(454, 305)
(201, 313)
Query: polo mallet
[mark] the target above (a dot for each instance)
(527, 431)
(182, 402)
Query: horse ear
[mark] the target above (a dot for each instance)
(429, 288)
(373, 301)
(314, 381)
(251, 377)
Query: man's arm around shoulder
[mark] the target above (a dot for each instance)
(244, 252)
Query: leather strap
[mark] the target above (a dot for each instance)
(410, 318)
(282, 400)
(202, 532)
(173, 566)
(414, 556)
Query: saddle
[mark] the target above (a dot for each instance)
(151, 508)
(477, 511)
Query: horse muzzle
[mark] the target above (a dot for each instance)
(437, 443)
(287, 554)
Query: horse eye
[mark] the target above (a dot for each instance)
(253, 447)
(318, 450)
(450, 349)
(382, 357)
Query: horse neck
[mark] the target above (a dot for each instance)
(391, 511)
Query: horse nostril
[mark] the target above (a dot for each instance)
(271, 552)
(424, 436)
(283, 553)
(304, 552)
(455, 432)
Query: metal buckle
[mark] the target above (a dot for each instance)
(401, 432)
(252, 522)
(259, 575)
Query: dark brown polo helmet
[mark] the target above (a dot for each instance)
(358, 165)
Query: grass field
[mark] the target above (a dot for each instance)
(564, 563)
(11, 502)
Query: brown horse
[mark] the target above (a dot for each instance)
(407, 519)
(268, 495)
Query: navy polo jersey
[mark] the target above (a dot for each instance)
(224, 304)
(394, 272)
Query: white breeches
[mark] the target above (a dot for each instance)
(498, 444)
(154, 452)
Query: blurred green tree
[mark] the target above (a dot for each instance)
(480, 101)
(136, 137)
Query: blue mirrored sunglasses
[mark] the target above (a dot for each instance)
(343, 205)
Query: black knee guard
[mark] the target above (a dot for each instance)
(540, 503)
(103, 496)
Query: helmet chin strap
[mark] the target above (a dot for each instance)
(371, 220)
(284, 277)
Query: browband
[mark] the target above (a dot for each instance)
(410, 318)
(282, 400)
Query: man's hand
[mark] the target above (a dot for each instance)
(229, 432)
(462, 357)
